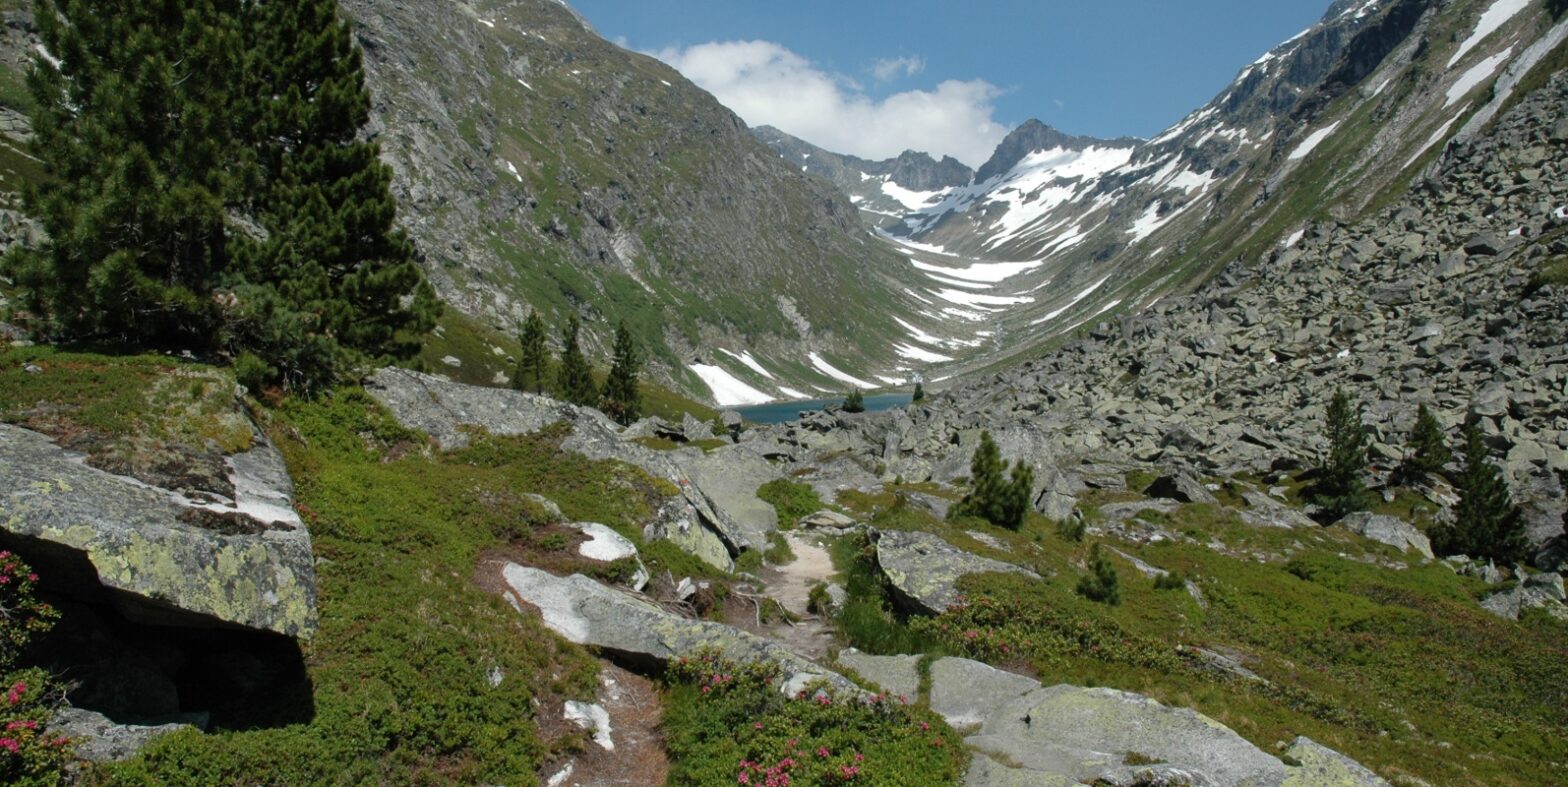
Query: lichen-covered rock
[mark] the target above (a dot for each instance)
(924, 570)
(163, 558)
(95, 738)
(1388, 530)
(1317, 765)
(730, 477)
(589, 613)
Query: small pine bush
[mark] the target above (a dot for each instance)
(1340, 489)
(1101, 584)
(1486, 522)
(993, 496)
(855, 402)
(1428, 452)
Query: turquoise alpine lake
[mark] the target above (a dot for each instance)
(781, 412)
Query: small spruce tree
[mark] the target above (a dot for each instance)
(620, 399)
(1101, 584)
(855, 402)
(573, 377)
(1428, 453)
(920, 394)
(1340, 489)
(993, 496)
(534, 360)
(1486, 522)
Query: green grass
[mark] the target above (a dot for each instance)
(1400, 669)
(1553, 272)
(793, 500)
(725, 720)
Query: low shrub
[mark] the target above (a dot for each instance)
(729, 723)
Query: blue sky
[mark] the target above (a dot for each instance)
(952, 77)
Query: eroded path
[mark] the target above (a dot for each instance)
(790, 585)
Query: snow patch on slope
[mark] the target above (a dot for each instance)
(750, 362)
(1074, 302)
(727, 390)
(1311, 142)
(828, 369)
(1494, 18)
(1477, 74)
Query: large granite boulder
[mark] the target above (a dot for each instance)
(1388, 530)
(924, 570)
(1027, 734)
(160, 557)
(642, 633)
(729, 477)
(96, 738)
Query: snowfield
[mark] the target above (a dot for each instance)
(1074, 302)
(1477, 74)
(727, 390)
(750, 362)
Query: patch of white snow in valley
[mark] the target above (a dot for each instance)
(916, 245)
(1382, 87)
(914, 200)
(977, 301)
(1432, 140)
(750, 362)
(828, 369)
(1312, 141)
(1477, 74)
(891, 380)
(1109, 306)
(1295, 238)
(727, 390)
(792, 393)
(512, 168)
(1074, 302)
(988, 272)
(968, 285)
(914, 353)
(487, 23)
(1495, 17)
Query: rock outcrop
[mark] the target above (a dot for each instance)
(924, 570)
(156, 556)
(644, 634)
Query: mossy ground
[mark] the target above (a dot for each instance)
(1362, 648)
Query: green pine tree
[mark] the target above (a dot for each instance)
(136, 147)
(534, 359)
(573, 377)
(993, 496)
(620, 399)
(1428, 453)
(1101, 584)
(1340, 489)
(1486, 522)
(920, 394)
(331, 251)
(855, 402)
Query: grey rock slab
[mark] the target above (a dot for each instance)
(95, 738)
(924, 569)
(1265, 511)
(1388, 530)
(172, 560)
(1323, 767)
(827, 518)
(1181, 487)
(966, 693)
(897, 675)
(588, 613)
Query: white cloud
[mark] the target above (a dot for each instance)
(890, 67)
(767, 84)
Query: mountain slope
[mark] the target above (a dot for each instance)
(539, 166)
(1328, 126)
